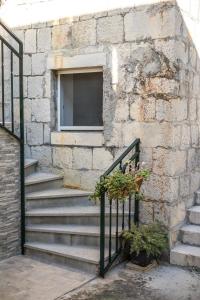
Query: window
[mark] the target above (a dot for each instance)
(80, 95)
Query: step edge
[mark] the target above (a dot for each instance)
(30, 246)
(31, 163)
(56, 177)
(32, 197)
(68, 232)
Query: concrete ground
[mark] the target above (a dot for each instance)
(22, 278)
(162, 283)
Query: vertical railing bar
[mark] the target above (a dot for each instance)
(102, 232)
(110, 231)
(12, 108)
(117, 224)
(21, 97)
(123, 216)
(129, 213)
(2, 82)
(136, 212)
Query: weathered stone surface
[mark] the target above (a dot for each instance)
(30, 41)
(40, 110)
(10, 196)
(35, 134)
(38, 64)
(27, 64)
(84, 33)
(43, 154)
(102, 159)
(184, 185)
(77, 138)
(185, 138)
(62, 157)
(82, 158)
(143, 25)
(47, 134)
(35, 87)
(167, 162)
(110, 29)
(43, 39)
(61, 37)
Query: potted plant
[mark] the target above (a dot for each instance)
(120, 185)
(145, 243)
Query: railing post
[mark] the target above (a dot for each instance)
(137, 159)
(21, 98)
(102, 231)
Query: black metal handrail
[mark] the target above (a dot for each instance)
(107, 259)
(13, 127)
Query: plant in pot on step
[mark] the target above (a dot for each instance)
(145, 243)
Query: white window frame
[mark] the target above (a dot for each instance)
(75, 128)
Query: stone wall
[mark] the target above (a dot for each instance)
(151, 91)
(9, 196)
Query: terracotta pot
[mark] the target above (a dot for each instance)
(138, 181)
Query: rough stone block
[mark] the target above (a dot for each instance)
(110, 29)
(184, 186)
(161, 188)
(30, 41)
(43, 39)
(84, 33)
(35, 134)
(195, 135)
(193, 109)
(142, 25)
(61, 37)
(89, 179)
(38, 64)
(192, 159)
(47, 134)
(40, 110)
(62, 157)
(27, 110)
(43, 154)
(35, 87)
(121, 111)
(27, 64)
(168, 162)
(92, 139)
(185, 137)
(72, 178)
(102, 159)
(177, 214)
(82, 158)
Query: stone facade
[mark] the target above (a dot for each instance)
(150, 91)
(10, 196)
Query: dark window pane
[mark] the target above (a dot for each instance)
(81, 99)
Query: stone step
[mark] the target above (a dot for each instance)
(58, 198)
(76, 215)
(194, 214)
(185, 255)
(69, 234)
(83, 258)
(190, 234)
(30, 166)
(42, 181)
(197, 197)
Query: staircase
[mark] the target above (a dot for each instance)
(187, 253)
(62, 224)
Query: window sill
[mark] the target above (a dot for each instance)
(81, 128)
(78, 138)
